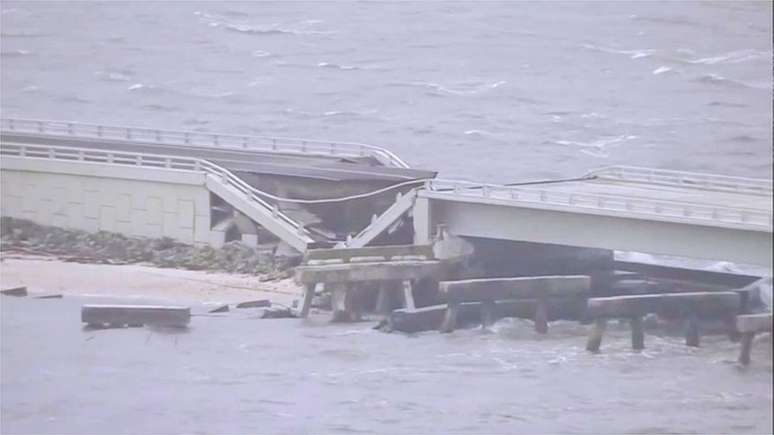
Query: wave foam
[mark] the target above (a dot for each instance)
(717, 79)
(464, 88)
(599, 147)
(737, 56)
(214, 20)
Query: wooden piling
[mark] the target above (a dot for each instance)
(541, 316)
(408, 295)
(306, 300)
(450, 318)
(488, 316)
(744, 353)
(692, 334)
(595, 337)
(638, 334)
(748, 325)
(384, 298)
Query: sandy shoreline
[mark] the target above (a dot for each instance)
(48, 275)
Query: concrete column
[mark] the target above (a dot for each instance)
(423, 222)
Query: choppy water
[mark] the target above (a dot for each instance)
(236, 374)
(488, 91)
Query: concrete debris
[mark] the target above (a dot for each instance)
(277, 313)
(261, 303)
(220, 309)
(16, 291)
(20, 235)
(118, 316)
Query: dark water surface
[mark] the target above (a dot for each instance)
(234, 373)
(491, 91)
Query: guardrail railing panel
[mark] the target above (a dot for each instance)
(190, 138)
(154, 161)
(660, 208)
(685, 179)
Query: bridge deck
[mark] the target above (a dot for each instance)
(672, 196)
(620, 208)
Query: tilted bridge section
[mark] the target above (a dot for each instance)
(619, 208)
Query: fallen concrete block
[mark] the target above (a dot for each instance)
(220, 309)
(120, 315)
(261, 303)
(277, 313)
(16, 291)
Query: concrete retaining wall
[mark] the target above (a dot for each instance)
(136, 202)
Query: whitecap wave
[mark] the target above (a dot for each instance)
(113, 76)
(633, 54)
(462, 88)
(599, 147)
(737, 56)
(719, 80)
(481, 134)
(142, 87)
(15, 53)
(302, 28)
(661, 70)
(260, 53)
(337, 66)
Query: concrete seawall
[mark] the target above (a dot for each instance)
(132, 201)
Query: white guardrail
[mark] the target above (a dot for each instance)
(191, 138)
(684, 179)
(663, 209)
(154, 161)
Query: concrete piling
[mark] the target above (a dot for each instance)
(748, 325)
(595, 337)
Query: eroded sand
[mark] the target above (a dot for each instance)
(47, 275)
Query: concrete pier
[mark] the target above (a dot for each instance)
(691, 307)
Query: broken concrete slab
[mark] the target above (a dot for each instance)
(120, 315)
(688, 306)
(705, 303)
(16, 291)
(277, 313)
(260, 303)
(220, 309)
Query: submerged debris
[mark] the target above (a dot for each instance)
(112, 248)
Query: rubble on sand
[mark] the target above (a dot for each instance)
(18, 235)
